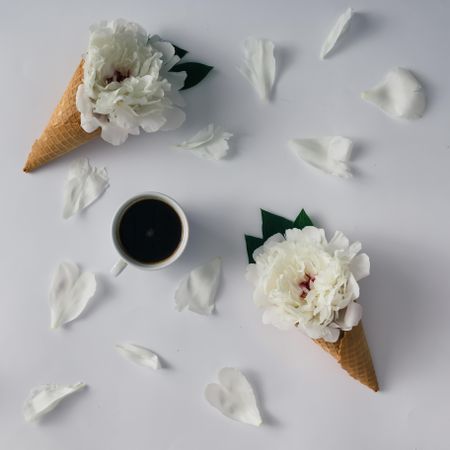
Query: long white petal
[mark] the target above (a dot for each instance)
(360, 266)
(84, 184)
(338, 242)
(352, 316)
(139, 355)
(70, 292)
(198, 290)
(259, 65)
(275, 316)
(82, 101)
(340, 27)
(174, 118)
(329, 154)
(210, 142)
(45, 398)
(176, 80)
(400, 95)
(330, 334)
(234, 397)
(153, 122)
(113, 134)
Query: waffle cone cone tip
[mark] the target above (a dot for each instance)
(63, 132)
(352, 352)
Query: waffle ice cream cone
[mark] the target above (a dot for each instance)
(63, 132)
(352, 352)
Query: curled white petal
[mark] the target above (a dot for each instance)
(329, 334)
(259, 65)
(70, 291)
(352, 316)
(360, 266)
(84, 184)
(329, 154)
(198, 290)
(139, 355)
(340, 27)
(114, 134)
(234, 397)
(274, 316)
(400, 95)
(174, 118)
(270, 242)
(210, 142)
(45, 398)
(338, 242)
(176, 80)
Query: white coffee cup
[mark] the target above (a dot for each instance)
(126, 259)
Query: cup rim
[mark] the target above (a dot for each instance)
(184, 224)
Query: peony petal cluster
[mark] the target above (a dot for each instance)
(303, 280)
(128, 84)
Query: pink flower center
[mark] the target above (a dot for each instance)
(306, 285)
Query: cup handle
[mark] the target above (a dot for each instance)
(118, 267)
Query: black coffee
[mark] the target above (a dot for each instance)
(150, 231)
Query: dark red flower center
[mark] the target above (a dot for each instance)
(306, 285)
(117, 76)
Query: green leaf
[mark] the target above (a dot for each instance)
(195, 73)
(252, 244)
(180, 52)
(273, 224)
(303, 220)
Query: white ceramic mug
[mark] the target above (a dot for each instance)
(126, 260)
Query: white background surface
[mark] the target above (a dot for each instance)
(397, 205)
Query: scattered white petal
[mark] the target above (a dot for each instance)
(234, 397)
(139, 355)
(210, 142)
(259, 65)
(198, 290)
(400, 95)
(70, 292)
(329, 154)
(45, 398)
(84, 184)
(340, 27)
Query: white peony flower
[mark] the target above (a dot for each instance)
(304, 281)
(127, 83)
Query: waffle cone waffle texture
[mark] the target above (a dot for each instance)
(63, 132)
(352, 352)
